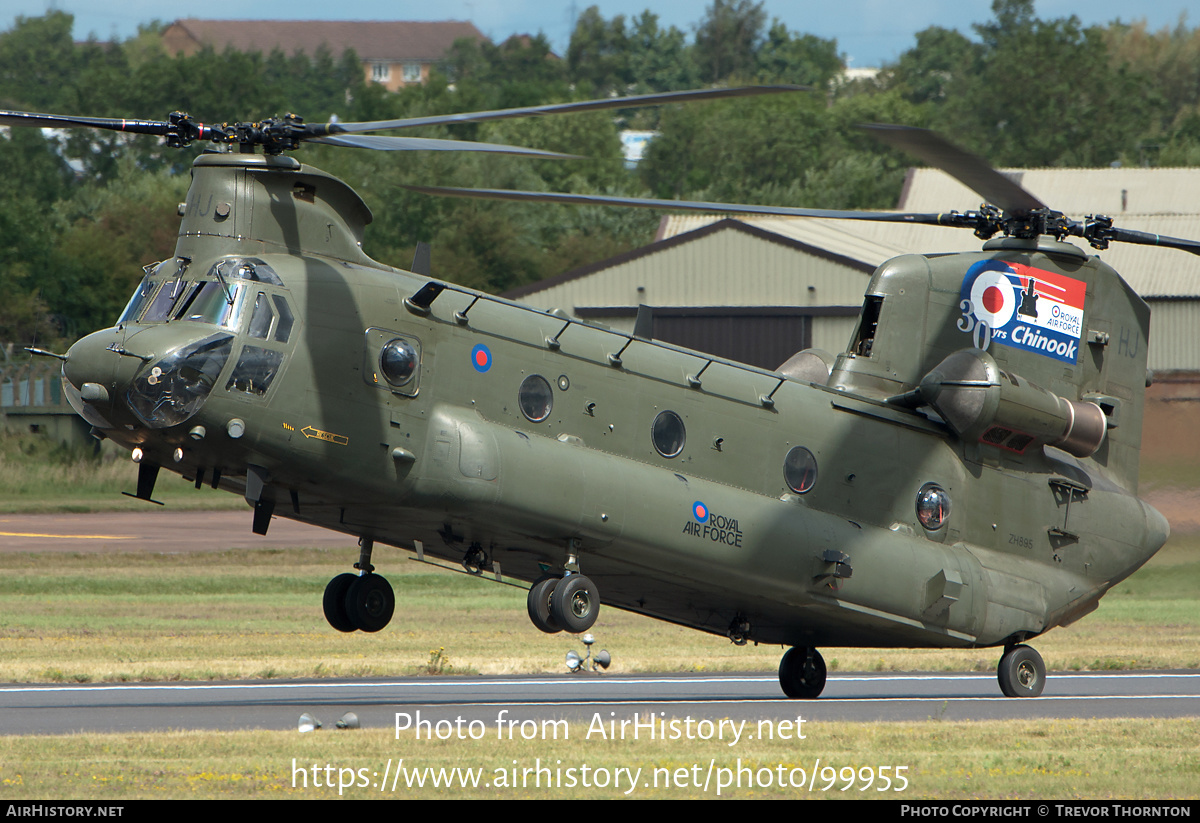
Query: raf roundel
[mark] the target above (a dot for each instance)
(700, 512)
(481, 358)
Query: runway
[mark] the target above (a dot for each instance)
(52, 709)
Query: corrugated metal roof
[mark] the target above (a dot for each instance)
(1151, 271)
(1115, 192)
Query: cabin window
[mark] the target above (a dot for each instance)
(668, 434)
(933, 506)
(536, 398)
(800, 469)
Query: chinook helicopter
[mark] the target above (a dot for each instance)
(963, 474)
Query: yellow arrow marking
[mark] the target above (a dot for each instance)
(340, 439)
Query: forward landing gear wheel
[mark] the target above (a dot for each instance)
(1021, 672)
(539, 605)
(802, 673)
(370, 602)
(335, 602)
(575, 603)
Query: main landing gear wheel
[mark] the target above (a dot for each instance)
(539, 605)
(802, 673)
(1021, 672)
(370, 602)
(575, 603)
(335, 602)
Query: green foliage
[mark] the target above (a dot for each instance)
(1027, 92)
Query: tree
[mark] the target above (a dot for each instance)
(728, 39)
(804, 59)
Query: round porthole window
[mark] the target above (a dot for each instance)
(398, 362)
(933, 506)
(536, 398)
(668, 434)
(800, 469)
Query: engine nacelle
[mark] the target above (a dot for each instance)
(980, 401)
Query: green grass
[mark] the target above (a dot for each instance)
(257, 613)
(1017, 760)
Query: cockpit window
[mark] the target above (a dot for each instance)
(168, 294)
(213, 305)
(283, 330)
(138, 301)
(260, 320)
(246, 268)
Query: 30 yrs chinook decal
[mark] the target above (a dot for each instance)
(1023, 307)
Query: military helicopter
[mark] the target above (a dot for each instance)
(963, 474)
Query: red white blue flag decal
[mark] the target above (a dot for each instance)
(1023, 307)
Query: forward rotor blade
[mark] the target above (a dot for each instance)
(564, 108)
(952, 219)
(381, 142)
(59, 121)
(969, 169)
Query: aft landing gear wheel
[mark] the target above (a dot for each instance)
(539, 605)
(370, 602)
(575, 603)
(1021, 672)
(335, 602)
(802, 673)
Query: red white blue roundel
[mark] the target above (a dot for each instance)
(700, 512)
(481, 358)
(1023, 307)
(993, 298)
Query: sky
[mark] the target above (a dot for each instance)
(868, 32)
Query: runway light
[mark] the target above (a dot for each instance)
(574, 661)
(348, 721)
(604, 659)
(308, 723)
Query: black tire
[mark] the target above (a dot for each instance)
(370, 602)
(335, 602)
(1021, 672)
(575, 603)
(539, 605)
(802, 673)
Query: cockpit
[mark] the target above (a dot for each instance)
(240, 310)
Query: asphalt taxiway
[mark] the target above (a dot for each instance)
(59, 709)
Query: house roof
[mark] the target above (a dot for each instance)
(376, 40)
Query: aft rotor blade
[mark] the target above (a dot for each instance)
(1142, 238)
(951, 219)
(384, 143)
(565, 108)
(969, 169)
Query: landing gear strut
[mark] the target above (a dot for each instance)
(362, 602)
(1021, 672)
(802, 673)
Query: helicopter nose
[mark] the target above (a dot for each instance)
(94, 369)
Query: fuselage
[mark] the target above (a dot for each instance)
(695, 490)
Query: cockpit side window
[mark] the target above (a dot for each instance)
(138, 301)
(260, 320)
